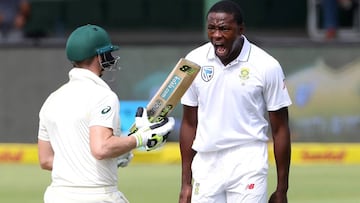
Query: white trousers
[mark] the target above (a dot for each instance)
(83, 195)
(235, 175)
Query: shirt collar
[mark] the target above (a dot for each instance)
(84, 74)
(243, 56)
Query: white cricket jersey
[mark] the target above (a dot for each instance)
(233, 100)
(65, 117)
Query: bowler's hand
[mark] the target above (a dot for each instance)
(278, 197)
(185, 194)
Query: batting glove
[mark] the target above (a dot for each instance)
(151, 135)
(124, 160)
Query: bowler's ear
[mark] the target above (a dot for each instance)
(241, 29)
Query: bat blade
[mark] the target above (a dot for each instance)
(171, 91)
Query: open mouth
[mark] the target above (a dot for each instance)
(220, 50)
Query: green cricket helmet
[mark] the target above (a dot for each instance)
(88, 41)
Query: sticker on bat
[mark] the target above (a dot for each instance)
(187, 69)
(155, 107)
(174, 82)
(164, 112)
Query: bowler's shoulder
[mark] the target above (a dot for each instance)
(262, 55)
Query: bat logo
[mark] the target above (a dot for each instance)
(171, 86)
(187, 69)
(207, 73)
(155, 107)
(164, 112)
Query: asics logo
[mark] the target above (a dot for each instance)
(106, 110)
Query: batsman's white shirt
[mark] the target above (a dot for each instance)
(65, 117)
(232, 100)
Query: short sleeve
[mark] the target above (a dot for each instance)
(275, 93)
(42, 131)
(106, 112)
(190, 97)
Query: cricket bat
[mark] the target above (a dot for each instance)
(171, 91)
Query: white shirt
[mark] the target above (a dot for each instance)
(65, 117)
(233, 100)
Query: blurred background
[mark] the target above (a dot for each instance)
(322, 66)
(317, 42)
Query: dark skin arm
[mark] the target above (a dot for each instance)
(187, 136)
(279, 121)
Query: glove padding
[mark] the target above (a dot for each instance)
(124, 160)
(151, 135)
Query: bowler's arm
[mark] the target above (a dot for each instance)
(187, 136)
(282, 151)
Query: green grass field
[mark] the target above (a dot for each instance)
(146, 183)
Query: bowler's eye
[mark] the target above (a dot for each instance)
(211, 28)
(220, 28)
(224, 29)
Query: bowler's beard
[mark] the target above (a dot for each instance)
(234, 51)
